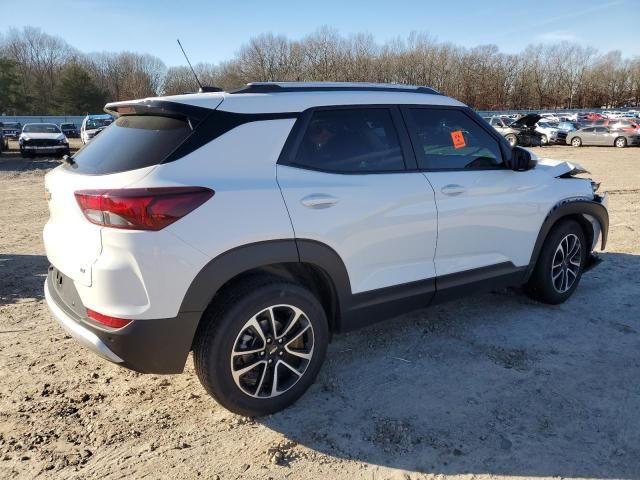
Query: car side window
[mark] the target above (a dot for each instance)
(449, 139)
(351, 141)
(588, 130)
(601, 130)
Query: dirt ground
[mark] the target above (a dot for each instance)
(490, 386)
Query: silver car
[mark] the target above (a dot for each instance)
(602, 136)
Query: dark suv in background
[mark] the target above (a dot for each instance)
(11, 129)
(70, 130)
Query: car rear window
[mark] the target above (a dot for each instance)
(132, 142)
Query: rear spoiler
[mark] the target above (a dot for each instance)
(193, 114)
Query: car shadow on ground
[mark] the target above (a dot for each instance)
(492, 384)
(22, 277)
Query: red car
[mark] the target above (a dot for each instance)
(591, 116)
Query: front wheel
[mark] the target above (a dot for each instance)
(512, 139)
(620, 142)
(261, 346)
(560, 264)
(576, 142)
(544, 140)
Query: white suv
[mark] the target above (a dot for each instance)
(249, 226)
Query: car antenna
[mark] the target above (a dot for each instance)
(201, 89)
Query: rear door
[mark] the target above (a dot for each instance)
(603, 136)
(588, 136)
(488, 215)
(344, 178)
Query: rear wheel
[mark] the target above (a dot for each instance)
(576, 142)
(512, 139)
(544, 140)
(262, 346)
(620, 142)
(560, 264)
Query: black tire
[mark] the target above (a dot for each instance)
(576, 142)
(541, 286)
(620, 142)
(544, 140)
(24, 154)
(225, 321)
(512, 139)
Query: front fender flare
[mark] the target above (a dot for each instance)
(570, 208)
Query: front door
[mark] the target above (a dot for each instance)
(488, 214)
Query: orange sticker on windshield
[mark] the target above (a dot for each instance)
(458, 139)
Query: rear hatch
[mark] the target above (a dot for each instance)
(144, 135)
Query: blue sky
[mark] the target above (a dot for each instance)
(213, 31)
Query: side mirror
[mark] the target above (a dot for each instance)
(521, 159)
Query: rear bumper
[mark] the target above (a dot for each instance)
(148, 346)
(82, 335)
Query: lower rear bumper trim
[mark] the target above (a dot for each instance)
(81, 334)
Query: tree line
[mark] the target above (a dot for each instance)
(43, 74)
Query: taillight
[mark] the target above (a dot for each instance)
(140, 208)
(112, 322)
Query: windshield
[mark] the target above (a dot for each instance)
(93, 123)
(67, 125)
(41, 128)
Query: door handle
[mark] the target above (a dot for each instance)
(319, 201)
(453, 189)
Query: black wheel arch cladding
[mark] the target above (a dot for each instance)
(574, 209)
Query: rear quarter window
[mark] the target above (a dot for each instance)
(132, 142)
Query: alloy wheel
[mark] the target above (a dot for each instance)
(272, 351)
(565, 265)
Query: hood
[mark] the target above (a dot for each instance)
(559, 168)
(527, 121)
(43, 136)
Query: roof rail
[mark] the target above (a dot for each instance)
(272, 87)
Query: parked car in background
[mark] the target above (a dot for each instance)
(568, 117)
(567, 126)
(550, 133)
(41, 139)
(626, 124)
(615, 124)
(550, 117)
(92, 125)
(603, 136)
(70, 130)
(11, 129)
(520, 132)
(525, 131)
(612, 114)
(589, 117)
